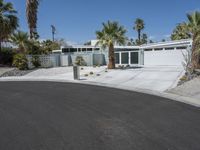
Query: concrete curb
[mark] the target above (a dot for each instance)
(183, 99)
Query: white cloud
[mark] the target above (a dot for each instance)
(151, 37)
(167, 36)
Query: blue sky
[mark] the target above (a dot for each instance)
(77, 20)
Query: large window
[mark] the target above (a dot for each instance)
(158, 49)
(89, 49)
(72, 50)
(134, 58)
(182, 48)
(125, 58)
(97, 49)
(117, 58)
(169, 48)
(148, 49)
(65, 50)
(83, 49)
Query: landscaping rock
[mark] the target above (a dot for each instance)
(16, 72)
(188, 89)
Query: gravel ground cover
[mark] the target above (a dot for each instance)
(189, 89)
(15, 72)
(5, 69)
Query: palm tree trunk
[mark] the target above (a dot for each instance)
(0, 46)
(0, 53)
(111, 64)
(31, 34)
(195, 53)
(139, 35)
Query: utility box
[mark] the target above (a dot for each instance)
(76, 71)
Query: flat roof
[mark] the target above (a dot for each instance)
(168, 44)
(177, 43)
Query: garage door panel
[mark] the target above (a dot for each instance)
(165, 57)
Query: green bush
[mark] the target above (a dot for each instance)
(6, 56)
(20, 61)
(36, 61)
(80, 61)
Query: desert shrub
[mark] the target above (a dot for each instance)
(184, 78)
(34, 48)
(80, 61)
(20, 61)
(36, 61)
(48, 45)
(6, 56)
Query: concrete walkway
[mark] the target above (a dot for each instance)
(151, 78)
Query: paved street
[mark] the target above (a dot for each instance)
(66, 116)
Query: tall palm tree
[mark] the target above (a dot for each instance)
(111, 34)
(181, 32)
(194, 28)
(31, 14)
(8, 20)
(21, 40)
(53, 31)
(139, 26)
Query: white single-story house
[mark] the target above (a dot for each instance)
(168, 53)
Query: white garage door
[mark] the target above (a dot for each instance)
(164, 57)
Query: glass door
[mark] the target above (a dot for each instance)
(134, 57)
(125, 58)
(117, 58)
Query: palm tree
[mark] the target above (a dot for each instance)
(194, 28)
(31, 14)
(21, 40)
(8, 20)
(144, 39)
(111, 34)
(53, 31)
(139, 26)
(181, 32)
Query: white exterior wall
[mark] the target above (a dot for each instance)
(164, 57)
(148, 58)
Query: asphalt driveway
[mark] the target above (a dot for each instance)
(64, 116)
